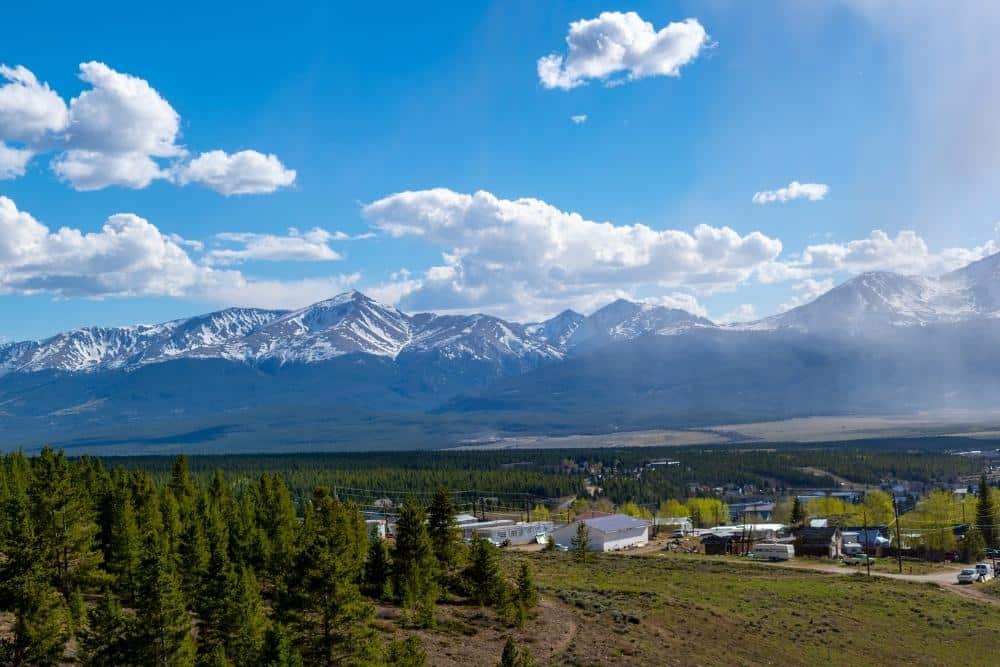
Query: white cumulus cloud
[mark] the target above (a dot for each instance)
(526, 255)
(579, 119)
(907, 252)
(311, 246)
(119, 132)
(245, 172)
(794, 190)
(13, 161)
(745, 312)
(28, 109)
(131, 257)
(621, 45)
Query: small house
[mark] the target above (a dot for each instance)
(718, 545)
(607, 533)
(821, 542)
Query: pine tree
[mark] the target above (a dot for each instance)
(798, 512)
(65, 524)
(193, 552)
(278, 650)
(986, 514)
(414, 567)
(483, 574)
(408, 652)
(441, 527)
(246, 621)
(377, 568)
(526, 593)
(42, 623)
(163, 625)
(324, 601)
(216, 587)
(580, 544)
(124, 545)
(279, 523)
(512, 657)
(180, 483)
(110, 639)
(973, 546)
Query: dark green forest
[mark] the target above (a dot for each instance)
(118, 567)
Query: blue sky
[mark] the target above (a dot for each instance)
(252, 122)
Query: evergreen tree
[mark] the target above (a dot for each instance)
(65, 524)
(408, 652)
(798, 512)
(181, 484)
(986, 514)
(526, 594)
(580, 544)
(483, 574)
(441, 527)
(246, 621)
(193, 552)
(512, 657)
(77, 611)
(278, 650)
(377, 568)
(324, 597)
(219, 581)
(279, 523)
(215, 658)
(973, 546)
(110, 640)
(124, 544)
(163, 628)
(414, 567)
(42, 624)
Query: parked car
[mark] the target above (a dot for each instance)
(950, 556)
(858, 559)
(968, 576)
(993, 553)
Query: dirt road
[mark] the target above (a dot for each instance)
(945, 578)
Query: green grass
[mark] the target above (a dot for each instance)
(681, 610)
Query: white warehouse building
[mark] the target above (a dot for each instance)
(607, 533)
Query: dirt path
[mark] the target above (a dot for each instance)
(945, 578)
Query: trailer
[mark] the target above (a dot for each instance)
(773, 552)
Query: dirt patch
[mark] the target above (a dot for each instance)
(467, 635)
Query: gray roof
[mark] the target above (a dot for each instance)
(615, 522)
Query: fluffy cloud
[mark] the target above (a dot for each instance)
(94, 170)
(28, 109)
(904, 253)
(681, 300)
(312, 246)
(119, 132)
(527, 254)
(128, 257)
(246, 172)
(794, 190)
(13, 161)
(579, 119)
(617, 43)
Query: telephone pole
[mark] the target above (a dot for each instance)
(899, 539)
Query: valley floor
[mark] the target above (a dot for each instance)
(804, 429)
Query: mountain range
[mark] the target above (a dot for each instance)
(349, 369)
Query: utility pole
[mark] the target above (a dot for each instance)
(868, 561)
(899, 539)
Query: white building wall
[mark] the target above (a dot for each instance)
(622, 539)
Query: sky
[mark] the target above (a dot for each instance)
(515, 158)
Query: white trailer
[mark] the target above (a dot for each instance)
(773, 551)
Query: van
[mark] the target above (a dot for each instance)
(984, 571)
(773, 552)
